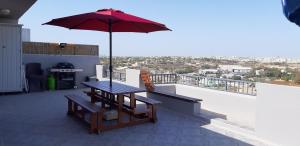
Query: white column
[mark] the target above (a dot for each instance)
(133, 78)
(99, 72)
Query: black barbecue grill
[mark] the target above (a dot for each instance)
(65, 75)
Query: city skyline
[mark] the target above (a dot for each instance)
(223, 57)
(247, 29)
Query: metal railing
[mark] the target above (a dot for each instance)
(164, 78)
(228, 85)
(117, 75)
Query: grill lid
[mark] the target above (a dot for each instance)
(64, 65)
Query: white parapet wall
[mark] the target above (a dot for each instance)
(273, 114)
(278, 114)
(237, 108)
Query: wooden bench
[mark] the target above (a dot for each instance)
(75, 102)
(179, 103)
(151, 107)
(151, 104)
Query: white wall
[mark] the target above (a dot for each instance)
(11, 76)
(170, 88)
(237, 108)
(278, 114)
(133, 77)
(26, 35)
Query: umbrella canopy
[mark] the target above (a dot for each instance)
(109, 20)
(291, 9)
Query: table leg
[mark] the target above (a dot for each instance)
(103, 94)
(75, 108)
(100, 119)
(70, 107)
(111, 100)
(132, 100)
(93, 126)
(120, 107)
(153, 112)
(132, 105)
(93, 93)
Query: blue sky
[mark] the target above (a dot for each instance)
(253, 28)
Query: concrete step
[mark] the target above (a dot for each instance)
(219, 121)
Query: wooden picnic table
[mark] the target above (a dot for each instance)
(116, 88)
(101, 91)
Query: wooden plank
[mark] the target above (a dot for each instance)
(147, 100)
(120, 108)
(115, 89)
(83, 103)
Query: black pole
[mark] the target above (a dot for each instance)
(110, 53)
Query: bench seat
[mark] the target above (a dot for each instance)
(75, 101)
(179, 103)
(150, 106)
(83, 103)
(176, 96)
(141, 108)
(147, 100)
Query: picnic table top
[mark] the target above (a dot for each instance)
(116, 88)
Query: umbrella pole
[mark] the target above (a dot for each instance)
(110, 53)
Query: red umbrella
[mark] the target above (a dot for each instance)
(109, 20)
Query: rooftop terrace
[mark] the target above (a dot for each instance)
(40, 119)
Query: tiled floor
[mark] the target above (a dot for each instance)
(39, 119)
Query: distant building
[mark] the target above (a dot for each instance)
(136, 64)
(122, 68)
(236, 69)
(191, 74)
(227, 76)
(259, 72)
(208, 71)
